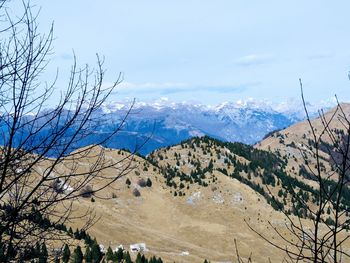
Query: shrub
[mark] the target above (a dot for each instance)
(141, 182)
(136, 192)
(87, 191)
(57, 186)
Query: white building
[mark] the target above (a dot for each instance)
(138, 247)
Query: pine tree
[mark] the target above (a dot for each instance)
(88, 240)
(66, 254)
(149, 182)
(109, 254)
(127, 257)
(78, 255)
(95, 252)
(88, 255)
(138, 258)
(77, 234)
(43, 254)
(37, 250)
(119, 255)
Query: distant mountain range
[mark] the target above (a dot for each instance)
(165, 123)
(149, 126)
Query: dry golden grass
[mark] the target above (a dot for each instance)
(205, 228)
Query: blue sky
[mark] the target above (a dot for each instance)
(207, 51)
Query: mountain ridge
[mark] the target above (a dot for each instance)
(166, 123)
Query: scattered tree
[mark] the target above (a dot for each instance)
(149, 182)
(66, 254)
(88, 255)
(136, 192)
(109, 254)
(78, 255)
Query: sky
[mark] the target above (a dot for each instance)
(206, 51)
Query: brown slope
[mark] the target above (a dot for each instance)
(203, 221)
(297, 140)
(205, 227)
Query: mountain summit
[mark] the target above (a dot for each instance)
(166, 123)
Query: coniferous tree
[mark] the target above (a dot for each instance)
(95, 252)
(119, 255)
(88, 240)
(77, 234)
(43, 254)
(36, 250)
(109, 254)
(66, 254)
(127, 257)
(138, 258)
(78, 255)
(88, 255)
(149, 182)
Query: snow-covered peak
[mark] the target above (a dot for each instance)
(243, 108)
(112, 107)
(249, 103)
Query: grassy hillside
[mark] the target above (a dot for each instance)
(182, 223)
(193, 163)
(203, 193)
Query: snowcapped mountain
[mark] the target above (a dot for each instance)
(147, 126)
(164, 123)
